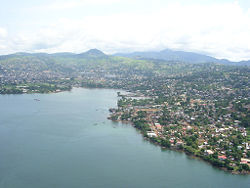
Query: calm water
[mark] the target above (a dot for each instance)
(65, 141)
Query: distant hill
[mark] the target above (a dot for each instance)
(94, 65)
(92, 53)
(244, 63)
(166, 55)
(180, 56)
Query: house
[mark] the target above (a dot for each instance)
(151, 134)
(179, 143)
(209, 152)
(158, 126)
(244, 161)
(222, 157)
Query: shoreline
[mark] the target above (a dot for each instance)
(52, 92)
(245, 173)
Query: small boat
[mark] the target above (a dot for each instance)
(37, 99)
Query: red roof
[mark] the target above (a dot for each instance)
(222, 157)
(243, 162)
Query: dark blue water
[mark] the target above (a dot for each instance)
(65, 141)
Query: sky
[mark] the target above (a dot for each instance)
(219, 28)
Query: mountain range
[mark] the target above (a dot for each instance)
(180, 56)
(164, 55)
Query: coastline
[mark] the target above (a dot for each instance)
(59, 91)
(183, 151)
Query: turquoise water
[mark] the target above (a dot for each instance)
(65, 141)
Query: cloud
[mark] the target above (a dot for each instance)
(63, 5)
(3, 39)
(3, 32)
(221, 30)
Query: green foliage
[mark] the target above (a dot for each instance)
(141, 124)
(165, 143)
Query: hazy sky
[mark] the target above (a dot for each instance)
(219, 28)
